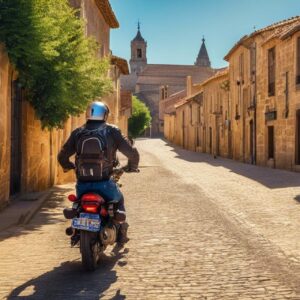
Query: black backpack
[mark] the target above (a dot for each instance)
(91, 154)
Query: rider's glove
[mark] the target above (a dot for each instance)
(70, 167)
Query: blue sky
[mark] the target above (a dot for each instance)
(173, 29)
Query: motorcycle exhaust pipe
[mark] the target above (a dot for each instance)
(69, 231)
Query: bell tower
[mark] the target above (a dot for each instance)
(138, 59)
(203, 59)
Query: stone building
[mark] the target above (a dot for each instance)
(265, 96)
(250, 112)
(148, 81)
(27, 152)
(199, 121)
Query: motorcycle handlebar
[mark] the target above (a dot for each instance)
(117, 171)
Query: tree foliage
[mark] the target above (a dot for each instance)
(57, 64)
(140, 119)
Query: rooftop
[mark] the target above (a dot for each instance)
(121, 63)
(278, 27)
(108, 13)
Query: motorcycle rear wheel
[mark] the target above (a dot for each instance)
(89, 250)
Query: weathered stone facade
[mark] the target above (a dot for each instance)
(146, 80)
(264, 96)
(251, 114)
(5, 124)
(28, 154)
(201, 118)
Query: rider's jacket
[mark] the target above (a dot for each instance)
(115, 141)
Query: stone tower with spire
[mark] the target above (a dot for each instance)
(203, 59)
(138, 59)
(147, 80)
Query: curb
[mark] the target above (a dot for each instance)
(29, 216)
(22, 210)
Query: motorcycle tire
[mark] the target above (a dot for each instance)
(89, 250)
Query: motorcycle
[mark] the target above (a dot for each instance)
(95, 224)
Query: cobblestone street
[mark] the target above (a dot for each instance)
(200, 228)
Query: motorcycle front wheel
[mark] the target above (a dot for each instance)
(89, 250)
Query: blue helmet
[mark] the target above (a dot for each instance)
(97, 111)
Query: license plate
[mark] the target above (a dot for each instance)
(87, 222)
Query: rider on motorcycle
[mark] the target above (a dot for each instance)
(95, 145)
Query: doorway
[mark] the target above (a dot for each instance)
(251, 141)
(271, 142)
(210, 141)
(16, 141)
(297, 139)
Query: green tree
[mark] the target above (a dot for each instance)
(57, 64)
(140, 119)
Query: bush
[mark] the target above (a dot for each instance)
(140, 119)
(56, 62)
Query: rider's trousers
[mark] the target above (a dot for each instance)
(108, 189)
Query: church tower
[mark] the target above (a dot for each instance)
(138, 59)
(203, 59)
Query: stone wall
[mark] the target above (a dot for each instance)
(96, 26)
(5, 97)
(201, 122)
(39, 147)
(169, 127)
(214, 126)
(245, 121)
(284, 104)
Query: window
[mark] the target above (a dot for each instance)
(241, 66)
(271, 142)
(271, 72)
(139, 53)
(298, 62)
(237, 115)
(166, 91)
(198, 139)
(252, 62)
(199, 114)
(162, 94)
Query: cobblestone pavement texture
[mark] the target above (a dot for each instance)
(189, 238)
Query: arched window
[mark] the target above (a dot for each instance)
(139, 53)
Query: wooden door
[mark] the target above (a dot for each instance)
(16, 151)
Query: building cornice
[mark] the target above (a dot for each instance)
(121, 63)
(107, 13)
(275, 26)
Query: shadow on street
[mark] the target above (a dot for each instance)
(50, 213)
(69, 281)
(271, 178)
(297, 199)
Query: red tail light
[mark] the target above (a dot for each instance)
(91, 202)
(92, 197)
(72, 198)
(90, 207)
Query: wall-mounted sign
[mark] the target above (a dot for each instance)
(271, 115)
